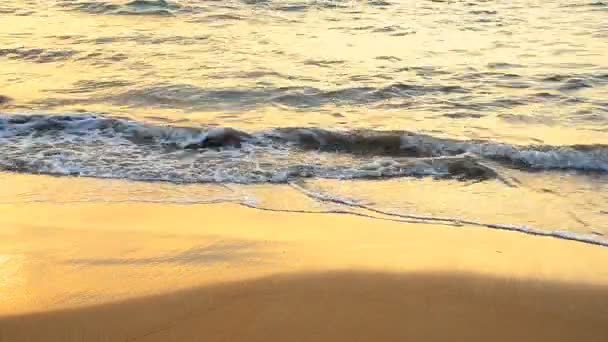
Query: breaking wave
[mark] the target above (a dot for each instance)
(106, 147)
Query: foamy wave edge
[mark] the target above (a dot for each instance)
(357, 142)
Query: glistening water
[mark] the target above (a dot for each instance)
(485, 111)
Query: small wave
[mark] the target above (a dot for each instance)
(222, 17)
(37, 55)
(146, 7)
(7, 10)
(324, 63)
(97, 146)
(87, 86)
(300, 6)
(89, 145)
(143, 39)
(188, 96)
(578, 157)
(136, 7)
(451, 221)
(569, 82)
(379, 3)
(592, 4)
(483, 12)
(191, 97)
(501, 65)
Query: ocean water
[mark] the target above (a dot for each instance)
(483, 112)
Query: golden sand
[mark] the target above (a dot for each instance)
(223, 272)
(338, 306)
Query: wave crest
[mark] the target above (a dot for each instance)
(98, 146)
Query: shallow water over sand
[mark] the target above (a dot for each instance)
(502, 104)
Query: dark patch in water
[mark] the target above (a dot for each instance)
(380, 3)
(5, 100)
(7, 10)
(221, 137)
(575, 84)
(487, 12)
(221, 17)
(402, 34)
(388, 58)
(503, 66)
(546, 96)
(391, 28)
(292, 8)
(324, 63)
(469, 169)
(462, 115)
(358, 142)
(593, 4)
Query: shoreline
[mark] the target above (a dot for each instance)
(222, 272)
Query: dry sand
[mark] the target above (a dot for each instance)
(223, 272)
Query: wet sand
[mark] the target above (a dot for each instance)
(224, 272)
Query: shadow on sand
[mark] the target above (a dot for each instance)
(338, 306)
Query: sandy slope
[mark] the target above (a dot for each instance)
(223, 272)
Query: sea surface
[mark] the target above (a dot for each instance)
(492, 113)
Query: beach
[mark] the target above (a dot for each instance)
(297, 170)
(225, 272)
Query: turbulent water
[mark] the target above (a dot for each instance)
(497, 108)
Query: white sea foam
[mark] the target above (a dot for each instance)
(105, 147)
